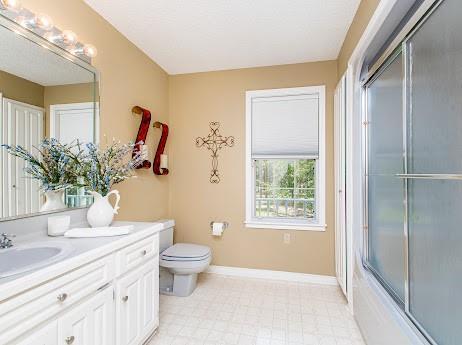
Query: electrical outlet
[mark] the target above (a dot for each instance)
(287, 238)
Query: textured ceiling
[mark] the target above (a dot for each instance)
(28, 60)
(204, 35)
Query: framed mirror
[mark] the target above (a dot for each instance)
(45, 92)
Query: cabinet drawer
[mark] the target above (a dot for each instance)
(25, 311)
(136, 254)
(46, 335)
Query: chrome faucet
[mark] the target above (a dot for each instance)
(6, 240)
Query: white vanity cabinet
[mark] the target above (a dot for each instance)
(113, 300)
(90, 323)
(137, 304)
(47, 335)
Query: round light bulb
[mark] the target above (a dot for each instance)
(13, 5)
(90, 50)
(44, 22)
(69, 37)
(23, 21)
(50, 36)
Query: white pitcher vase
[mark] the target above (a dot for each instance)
(54, 200)
(101, 213)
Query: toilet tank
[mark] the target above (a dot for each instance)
(166, 234)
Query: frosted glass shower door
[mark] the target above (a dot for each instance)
(385, 192)
(434, 180)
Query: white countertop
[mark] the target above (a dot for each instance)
(84, 250)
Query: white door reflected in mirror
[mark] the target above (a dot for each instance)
(74, 121)
(22, 124)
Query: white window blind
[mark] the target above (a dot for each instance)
(285, 125)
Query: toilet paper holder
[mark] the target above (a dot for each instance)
(225, 225)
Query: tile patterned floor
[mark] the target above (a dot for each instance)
(229, 310)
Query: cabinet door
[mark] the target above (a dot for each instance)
(47, 335)
(150, 295)
(137, 304)
(90, 323)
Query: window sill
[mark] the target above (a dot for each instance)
(284, 226)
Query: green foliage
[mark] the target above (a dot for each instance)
(109, 166)
(56, 165)
(286, 178)
(285, 188)
(59, 166)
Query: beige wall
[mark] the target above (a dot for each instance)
(188, 103)
(128, 77)
(65, 94)
(21, 90)
(363, 15)
(197, 99)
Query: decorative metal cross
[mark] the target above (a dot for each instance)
(214, 142)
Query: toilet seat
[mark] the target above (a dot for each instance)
(186, 258)
(186, 252)
(191, 266)
(184, 261)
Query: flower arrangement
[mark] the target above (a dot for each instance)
(110, 166)
(56, 166)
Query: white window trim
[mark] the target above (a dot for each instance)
(250, 222)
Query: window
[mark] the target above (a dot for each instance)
(285, 164)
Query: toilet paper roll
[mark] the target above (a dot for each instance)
(217, 229)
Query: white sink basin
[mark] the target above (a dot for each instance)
(27, 257)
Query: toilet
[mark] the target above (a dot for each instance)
(180, 263)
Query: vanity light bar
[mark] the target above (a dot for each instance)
(42, 25)
(87, 49)
(41, 21)
(12, 5)
(67, 37)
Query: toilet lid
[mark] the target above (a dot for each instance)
(186, 251)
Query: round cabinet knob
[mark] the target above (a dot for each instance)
(144, 252)
(70, 340)
(62, 297)
(125, 298)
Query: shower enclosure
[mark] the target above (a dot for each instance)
(413, 174)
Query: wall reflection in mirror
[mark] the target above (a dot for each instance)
(43, 95)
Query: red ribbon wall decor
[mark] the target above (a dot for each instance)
(142, 134)
(160, 149)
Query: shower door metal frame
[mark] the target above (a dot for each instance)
(400, 45)
(396, 54)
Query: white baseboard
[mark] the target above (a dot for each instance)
(273, 275)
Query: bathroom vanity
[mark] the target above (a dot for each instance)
(104, 292)
(94, 291)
